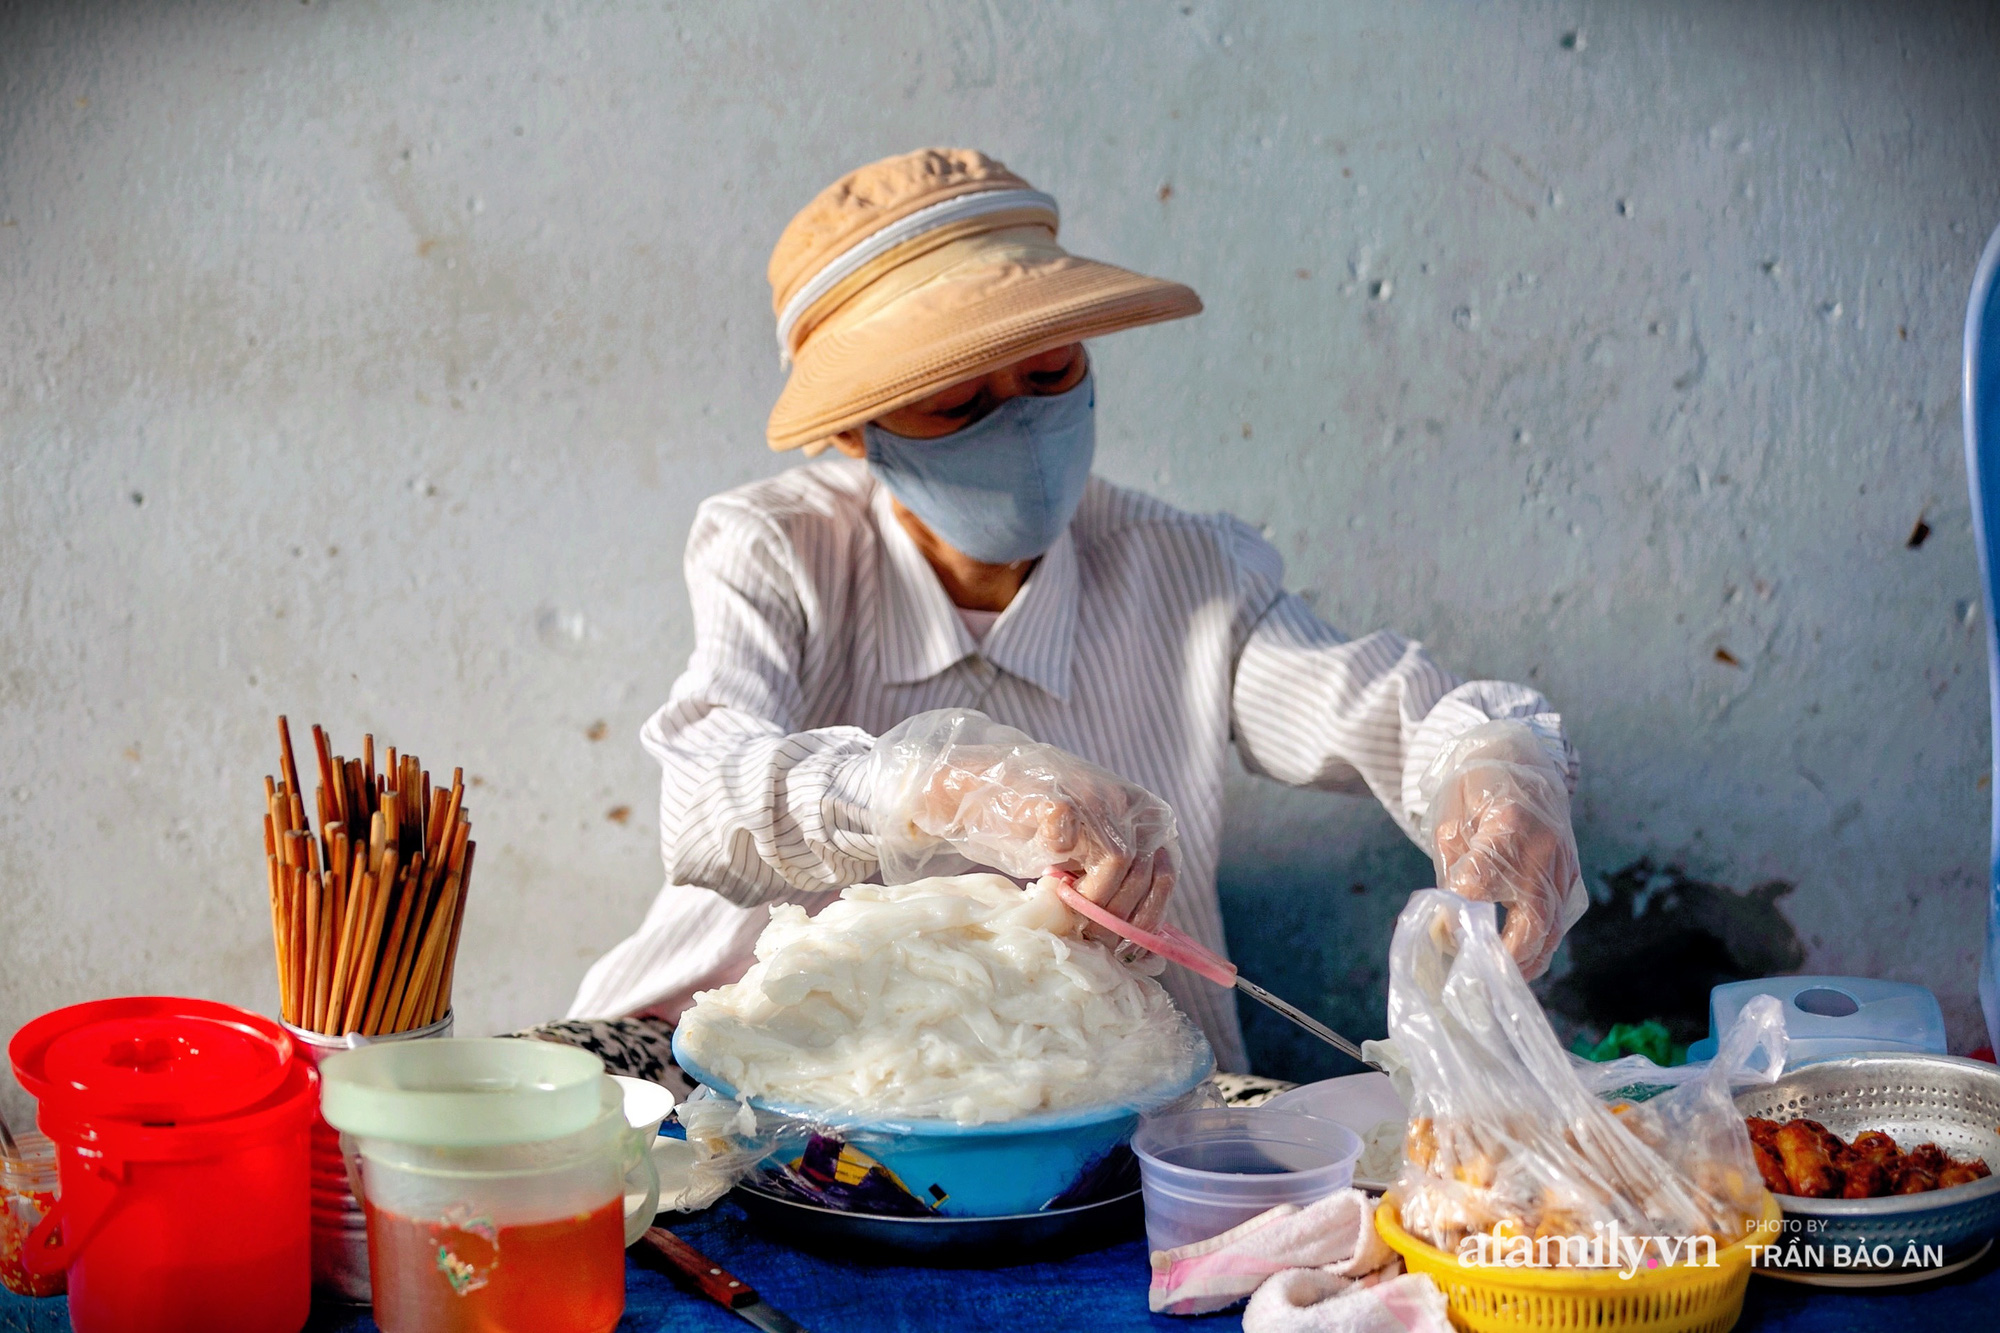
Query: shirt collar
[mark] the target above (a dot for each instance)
(1035, 635)
(920, 635)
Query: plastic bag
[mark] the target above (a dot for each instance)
(952, 789)
(1507, 1142)
(1636, 1078)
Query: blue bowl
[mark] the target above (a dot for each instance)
(1025, 1165)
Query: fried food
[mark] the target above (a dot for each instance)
(1913, 1179)
(1867, 1178)
(1962, 1173)
(1804, 1158)
(1770, 1168)
(1874, 1143)
(1928, 1158)
(1808, 1165)
(1477, 1178)
(1917, 1171)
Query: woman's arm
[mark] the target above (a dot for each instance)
(1478, 774)
(1312, 708)
(750, 806)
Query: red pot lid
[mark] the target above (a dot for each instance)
(150, 1058)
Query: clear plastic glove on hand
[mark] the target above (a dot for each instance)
(1497, 818)
(953, 785)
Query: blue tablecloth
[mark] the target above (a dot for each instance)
(1103, 1291)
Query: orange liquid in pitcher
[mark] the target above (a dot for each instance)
(460, 1274)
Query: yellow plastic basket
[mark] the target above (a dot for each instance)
(1677, 1299)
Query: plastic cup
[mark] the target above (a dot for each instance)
(28, 1189)
(1203, 1172)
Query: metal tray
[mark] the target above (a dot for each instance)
(1914, 1099)
(947, 1242)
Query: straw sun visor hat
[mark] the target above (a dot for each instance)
(919, 271)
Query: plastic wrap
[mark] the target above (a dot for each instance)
(1505, 1138)
(1496, 814)
(854, 1167)
(952, 789)
(723, 1144)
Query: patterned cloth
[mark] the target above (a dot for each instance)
(1151, 641)
(634, 1047)
(1248, 1089)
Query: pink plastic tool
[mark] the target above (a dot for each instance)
(1168, 943)
(1177, 947)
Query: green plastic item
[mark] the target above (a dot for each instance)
(463, 1092)
(1650, 1039)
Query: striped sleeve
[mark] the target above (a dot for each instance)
(1311, 708)
(750, 807)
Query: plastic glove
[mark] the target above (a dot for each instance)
(1497, 819)
(952, 786)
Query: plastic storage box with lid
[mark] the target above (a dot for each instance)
(1833, 1016)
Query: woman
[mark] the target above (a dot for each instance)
(949, 644)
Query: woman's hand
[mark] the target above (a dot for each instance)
(1027, 812)
(1000, 798)
(1499, 825)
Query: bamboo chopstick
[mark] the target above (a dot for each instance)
(365, 914)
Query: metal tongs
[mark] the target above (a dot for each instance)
(1177, 947)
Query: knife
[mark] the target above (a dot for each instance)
(712, 1281)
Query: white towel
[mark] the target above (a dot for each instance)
(1311, 1300)
(1322, 1267)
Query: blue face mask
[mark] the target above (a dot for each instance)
(1002, 489)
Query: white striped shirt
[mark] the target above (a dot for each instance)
(1147, 640)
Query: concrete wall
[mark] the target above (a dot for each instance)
(366, 361)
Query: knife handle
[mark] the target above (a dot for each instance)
(709, 1278)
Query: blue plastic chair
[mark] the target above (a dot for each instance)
(1982, 469)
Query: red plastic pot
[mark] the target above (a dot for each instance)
(181, 1135)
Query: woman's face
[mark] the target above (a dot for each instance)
(959, 405)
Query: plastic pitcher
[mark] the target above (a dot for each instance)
(181, 1137)
(495, 1175)
(339, 1227)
